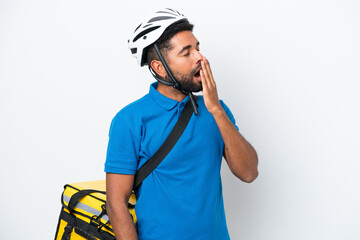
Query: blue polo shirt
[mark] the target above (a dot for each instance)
(182, 198)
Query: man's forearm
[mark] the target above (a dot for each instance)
(240, 155)
(121, 222)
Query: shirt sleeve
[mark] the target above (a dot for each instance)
(123, 147)
(229, 113)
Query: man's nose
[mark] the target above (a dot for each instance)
(199, 57)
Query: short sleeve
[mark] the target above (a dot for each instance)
(123, 147)
(229, 113)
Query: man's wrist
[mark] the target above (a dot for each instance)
(217, 112)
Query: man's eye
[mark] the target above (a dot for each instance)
(186, 54)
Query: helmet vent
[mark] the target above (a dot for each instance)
(137, 27)
(175, 11)
(170, 9)
(147, 25)
(133, 50)
(145, 32)
(155, 19)
(166, 12)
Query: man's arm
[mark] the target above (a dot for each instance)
(239, 154)
(118, 191)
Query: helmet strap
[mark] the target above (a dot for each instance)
(157, 77)
(175, 84)
(167, 69)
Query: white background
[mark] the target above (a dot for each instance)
(288, 70)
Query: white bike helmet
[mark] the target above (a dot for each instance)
(151, 30)
(146, 34)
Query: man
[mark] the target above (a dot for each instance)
(182, 197)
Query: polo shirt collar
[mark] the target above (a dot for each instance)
(161, 100)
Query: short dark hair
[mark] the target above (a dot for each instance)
(163, 42)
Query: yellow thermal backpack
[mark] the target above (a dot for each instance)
(83, 213)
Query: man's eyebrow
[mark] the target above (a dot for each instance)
(187, 47)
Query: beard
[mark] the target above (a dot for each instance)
(187, 81)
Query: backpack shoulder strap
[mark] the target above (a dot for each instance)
(164, 150)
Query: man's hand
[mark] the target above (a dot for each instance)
(239, 154)
(211, 98)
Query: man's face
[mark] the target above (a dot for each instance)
(184, 60)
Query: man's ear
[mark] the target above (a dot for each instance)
(158, 68)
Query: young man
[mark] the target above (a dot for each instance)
(182, 198)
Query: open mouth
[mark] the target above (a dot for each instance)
(197, 74)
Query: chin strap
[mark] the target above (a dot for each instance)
(157, 77)
(175, 83)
